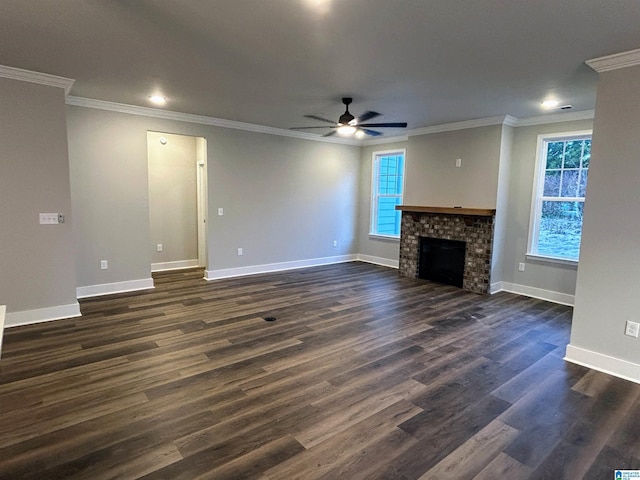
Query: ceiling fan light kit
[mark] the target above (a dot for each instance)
(349, 125)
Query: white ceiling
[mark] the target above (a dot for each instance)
(270, 62)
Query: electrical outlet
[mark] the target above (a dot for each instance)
(220, 211)
(458, 162)
(104, 265)
(632, 329)
(159, 247)
(240, 252)
(521, 267)
(335, 243)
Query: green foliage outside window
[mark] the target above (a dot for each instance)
(562, 202)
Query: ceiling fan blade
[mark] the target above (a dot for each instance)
(305, 128)
(372, 133)
(367, 116)
(320, 118)
(332, 132)
(385, 125)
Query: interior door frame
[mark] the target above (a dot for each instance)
(202, 195)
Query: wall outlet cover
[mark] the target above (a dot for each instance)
(632, 329)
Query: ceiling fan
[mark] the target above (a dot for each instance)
(349, 125)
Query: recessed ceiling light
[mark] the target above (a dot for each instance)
(550, 104)
(158, 99)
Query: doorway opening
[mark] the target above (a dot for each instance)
(177, 200)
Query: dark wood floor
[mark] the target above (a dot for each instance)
(363, 375)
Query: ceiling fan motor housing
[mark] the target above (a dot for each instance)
(346, 118)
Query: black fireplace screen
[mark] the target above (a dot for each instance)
(442, 260)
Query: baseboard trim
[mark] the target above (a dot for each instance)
(177, 265)
(117, 287)
(533, 292)
(39, 315)
(385, 262)
(603, 363)
(275, 267)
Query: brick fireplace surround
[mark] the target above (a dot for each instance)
(471, 225)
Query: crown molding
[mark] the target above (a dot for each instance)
(218, 122)
(554, 118)
(201, 120)
(448, 127)
(36, 77)
(384, 140)
(510, 121)
(615, 61)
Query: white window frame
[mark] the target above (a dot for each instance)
(538, 189)
(374, 188)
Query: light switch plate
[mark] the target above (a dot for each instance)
(49, 219)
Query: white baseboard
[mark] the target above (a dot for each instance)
(542, 294)
(385, 262)
(38, 315)
(117, 287)
(603, 363)
(177, 265)
(275, 267)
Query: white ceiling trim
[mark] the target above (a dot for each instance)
(218, 122)
(35, 77)
(384, 140)
(201, 119)
(555, 118)
(449, 127)
(615, 61)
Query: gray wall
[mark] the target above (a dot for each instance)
(497, 172)
(110, 194)
(609, 274)
(538, 274)
(172, 197)
(433, 179)
(284, 199)
(36, 261)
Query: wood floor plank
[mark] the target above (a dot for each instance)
(473, 455)
(364, 375)
(504, 466)
(337, 453)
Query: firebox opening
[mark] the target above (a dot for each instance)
(442, 260)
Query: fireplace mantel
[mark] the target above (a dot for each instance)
(479, 212)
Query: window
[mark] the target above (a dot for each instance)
(386, 193)
(560, 184)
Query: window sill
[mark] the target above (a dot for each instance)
(374, 236)
(554, 260)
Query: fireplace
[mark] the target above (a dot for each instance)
(442, 260)
(471, 226)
